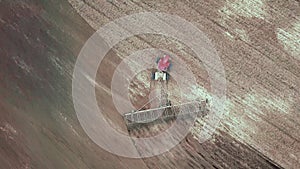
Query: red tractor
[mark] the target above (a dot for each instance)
(163, 65)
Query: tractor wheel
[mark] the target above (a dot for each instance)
(157, 60)
(170, 66)
(153, 76)
(167, 76)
